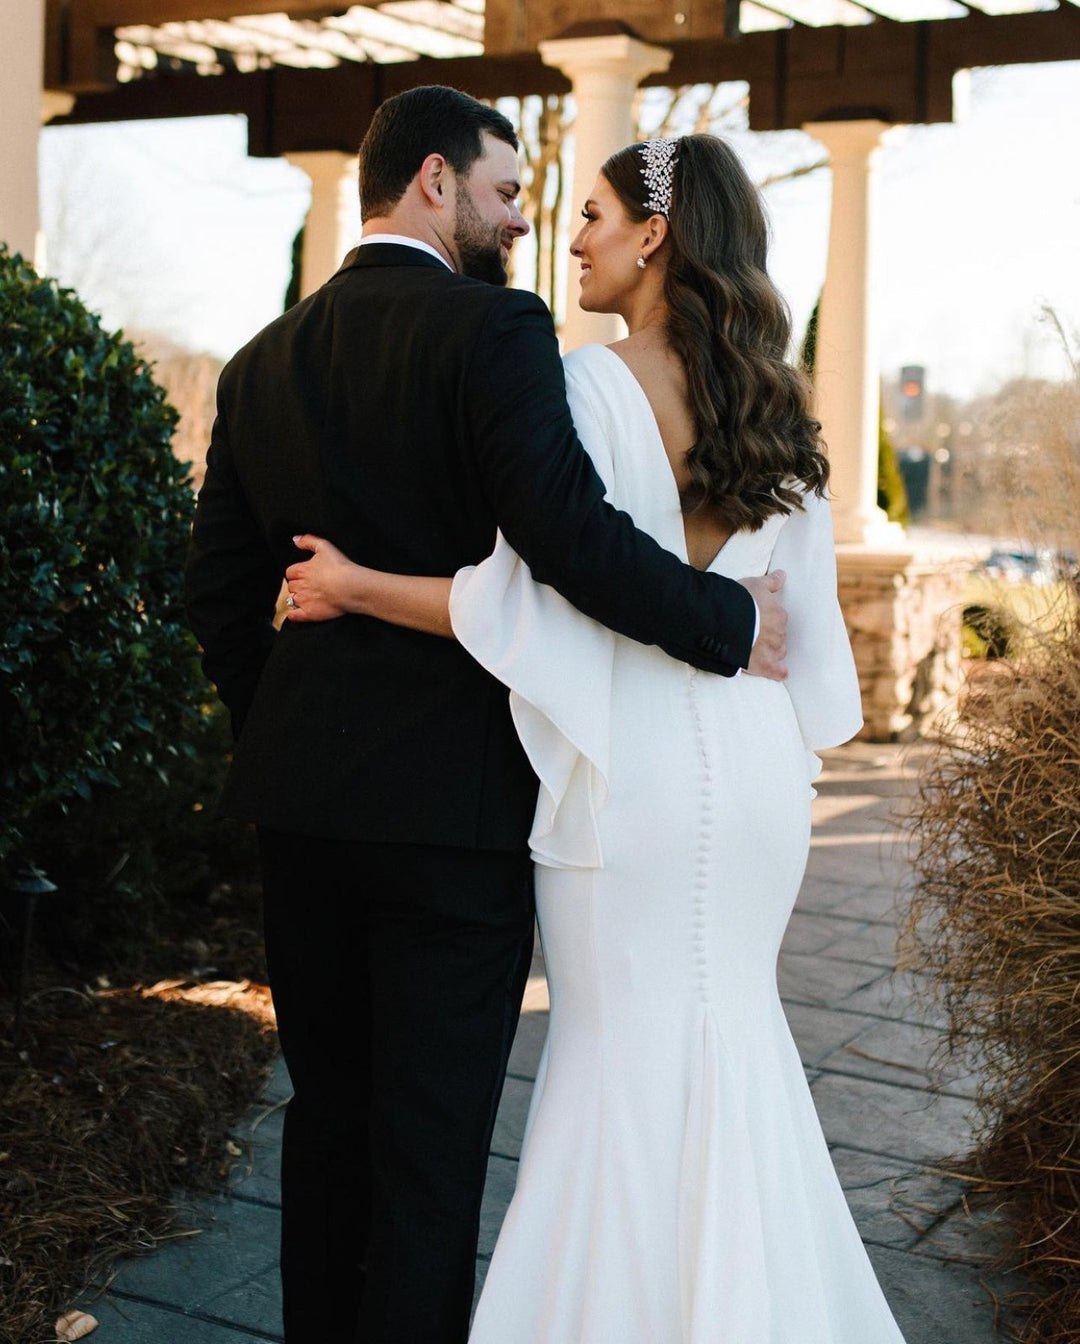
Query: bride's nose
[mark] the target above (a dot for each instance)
(575, 246)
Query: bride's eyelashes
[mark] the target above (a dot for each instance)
(587, 214)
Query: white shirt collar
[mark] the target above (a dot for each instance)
(404, 241)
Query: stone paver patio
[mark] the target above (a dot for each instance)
(864, 1041)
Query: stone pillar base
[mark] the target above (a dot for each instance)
(903, 616)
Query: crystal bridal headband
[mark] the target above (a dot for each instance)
(657, 172)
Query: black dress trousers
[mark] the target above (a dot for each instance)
(397, 973)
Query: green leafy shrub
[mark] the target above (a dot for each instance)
(141, 864)
(98, 673)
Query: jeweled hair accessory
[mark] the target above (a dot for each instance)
(658, 171)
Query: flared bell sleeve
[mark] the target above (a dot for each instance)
(822, 681)
(558, 665)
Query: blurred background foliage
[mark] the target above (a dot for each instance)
(891, 491)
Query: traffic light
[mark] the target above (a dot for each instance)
(912, 383)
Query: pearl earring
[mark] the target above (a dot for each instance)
(641, 263)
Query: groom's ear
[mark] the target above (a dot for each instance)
(433, 178)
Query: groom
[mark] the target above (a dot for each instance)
(405, 411)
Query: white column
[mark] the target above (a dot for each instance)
(333, 219)
(605, 73)
(846, 371)
(53, 104)
(22, 55)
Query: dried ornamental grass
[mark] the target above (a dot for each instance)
(116, 1101)
(996, 922)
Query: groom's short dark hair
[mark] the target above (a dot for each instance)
(410, 126)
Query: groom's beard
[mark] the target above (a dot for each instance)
(479, 245)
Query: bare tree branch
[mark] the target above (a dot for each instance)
(792, 173)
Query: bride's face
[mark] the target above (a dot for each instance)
(608, 246)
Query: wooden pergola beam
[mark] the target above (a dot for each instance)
(893, 72)
(292, 111)
(118, 13)
(79, 33)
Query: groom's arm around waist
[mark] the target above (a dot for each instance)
(549, 502)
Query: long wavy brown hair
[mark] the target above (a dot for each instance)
(756, 439)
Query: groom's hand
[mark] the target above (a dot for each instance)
(769, 654)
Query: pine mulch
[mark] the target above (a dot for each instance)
(115, 1105)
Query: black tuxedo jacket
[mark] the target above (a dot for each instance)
(404, 412)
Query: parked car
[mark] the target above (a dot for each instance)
(1040, 566)
(1011, 591)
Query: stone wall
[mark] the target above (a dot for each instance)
(903, 616)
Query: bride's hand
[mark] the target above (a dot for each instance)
(323, 587)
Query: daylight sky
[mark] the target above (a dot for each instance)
(170, 227)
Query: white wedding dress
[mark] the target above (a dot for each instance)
(674, 1185)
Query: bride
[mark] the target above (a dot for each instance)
(674, 1185)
